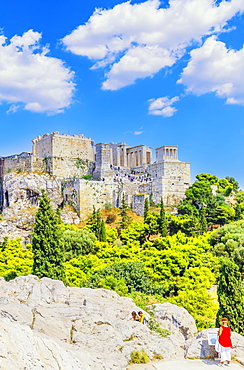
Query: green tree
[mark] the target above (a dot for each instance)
(78, 242)
(133, 274)
(97, 225)
(228, 241)
(202, 219)
(146, 209)
(15, 259)
(223, 215)
(123, 211)
(162, 220)
(102, 235)
(230, 296)
(151, 224)
(234, 183)
(47, 244)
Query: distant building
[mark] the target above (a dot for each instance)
(115, 168)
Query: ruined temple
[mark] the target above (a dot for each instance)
(114, 168)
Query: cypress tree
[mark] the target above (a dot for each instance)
(146, 209)
(230, 296)
(102, 236)
(47, 245)
(162, 220)
(125, 218)
(97, 224)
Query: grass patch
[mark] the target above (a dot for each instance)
(139, 357)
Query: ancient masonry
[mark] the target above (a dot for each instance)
(114, 169)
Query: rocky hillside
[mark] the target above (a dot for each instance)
(45, 325)
(21, 192)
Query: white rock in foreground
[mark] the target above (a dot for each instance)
(47, 325)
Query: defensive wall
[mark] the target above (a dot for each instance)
(83, 194)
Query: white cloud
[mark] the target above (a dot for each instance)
(162, 106)
(30, 78)
(214, 68)
(13, 109)
(138, 132)
(136, 41)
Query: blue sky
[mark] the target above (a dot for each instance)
(151, 72)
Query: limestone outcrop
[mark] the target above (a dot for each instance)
(21, 193)
(176, 319)
(47, 325)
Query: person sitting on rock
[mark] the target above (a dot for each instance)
(135, 316)
(142, 318)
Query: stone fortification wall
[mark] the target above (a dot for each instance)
(171, 190)
(138, 203)
(84, 194)
(20, 163)
(103, 161)
(42, 146)
(63, 155)
(178, 169)
(40, 164)
(172, 170)
(65, 146)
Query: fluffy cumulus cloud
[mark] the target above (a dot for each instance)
(163, 106)
(32, 80)
(214, 68)
(133, 41)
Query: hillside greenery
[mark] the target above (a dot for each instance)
(163, 256)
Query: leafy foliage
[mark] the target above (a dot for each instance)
(47, 243)
(78, 242)
(162, 220)
(231, 296)
(206, 201)
(15, 260)
(125, 218)
(139, 357)
(133, 274)
(228, 241)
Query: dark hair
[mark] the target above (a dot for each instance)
(139, 312)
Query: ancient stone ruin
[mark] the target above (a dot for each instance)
(95, 175)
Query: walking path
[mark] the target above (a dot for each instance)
(184, 365)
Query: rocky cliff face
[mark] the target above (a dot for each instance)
(21, 193)
(45, 325)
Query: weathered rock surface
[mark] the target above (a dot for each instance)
(92, 327)
(45, 325)
(176, 319)
(198, 346)
(21, 192)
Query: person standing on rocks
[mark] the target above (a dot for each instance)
(224, 336)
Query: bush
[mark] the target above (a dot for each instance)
(110, 218)
(133, 274)
(87, 177)
(108, 206)
(139, 357)
(15, 260)
(78, 242)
